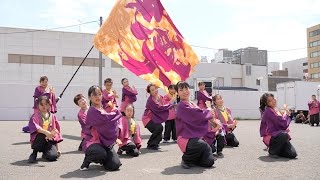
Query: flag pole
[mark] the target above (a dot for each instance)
(75, 73)
(100, 61)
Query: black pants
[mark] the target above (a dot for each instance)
(314, 119)
(98, 153)
(280, 145)
(168, 128)
(232, 140)
(49, 148)
(130, 149)
(220, 144)
(198, 152)
(80, 146)
(156, 136)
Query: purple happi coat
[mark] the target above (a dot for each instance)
(35, 123)
(172, 113)
(212, 131)
(191, 122)
(41, 92)
(129, 96)
(202, 97)
(125, 135)
(106, 98)
(272, 124)
(158, 112)
(225, 122)
(82, 115)
(101, 127)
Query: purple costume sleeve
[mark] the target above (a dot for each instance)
(130, 93)
(36, 95)
(273, 123)
(159, 113)
(191, 121)
(203, 97)
(106, 125)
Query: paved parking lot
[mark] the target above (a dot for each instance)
(248, 161)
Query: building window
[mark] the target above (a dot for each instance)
(316, 75)
(305, 64)
(248, 70)
(314, 43)
(314, 54)
(258, 82)
(31, 59)
(316, 65)
(115, 64)
(314, 33)
(76, 61)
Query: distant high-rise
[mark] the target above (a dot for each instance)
(251, 55)
(313, 39)
(223, 56)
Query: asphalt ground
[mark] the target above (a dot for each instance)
(248, 161)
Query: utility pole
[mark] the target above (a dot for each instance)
(100, 61)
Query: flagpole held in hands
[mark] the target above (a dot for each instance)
(100, 61)
(74, 74)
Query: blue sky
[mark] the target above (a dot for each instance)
(232, 24)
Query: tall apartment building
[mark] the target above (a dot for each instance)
(313, 39)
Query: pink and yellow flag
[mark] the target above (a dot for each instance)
(140, 36)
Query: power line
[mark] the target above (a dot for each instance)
(294, 49)
(287, 49)
(62, 27)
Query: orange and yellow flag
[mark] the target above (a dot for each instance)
(140, 36)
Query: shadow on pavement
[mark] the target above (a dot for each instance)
(94, 171)
(148, 151)
(25, 163)
(21, 143)
(72, 137)
(271, 159)
(179, 170)
(73, 152)
(145, 136)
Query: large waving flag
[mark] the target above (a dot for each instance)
(140, 36)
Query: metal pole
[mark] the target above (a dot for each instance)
(100, 61)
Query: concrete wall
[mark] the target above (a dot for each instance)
(232, 71)
(18, 80)
(273, 66)
(274, 80)
(243, 104)
(295, 67)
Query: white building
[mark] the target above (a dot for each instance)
(296, 68)
(233, 75)
(26, 56)
(273, 66)
(223, 55)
